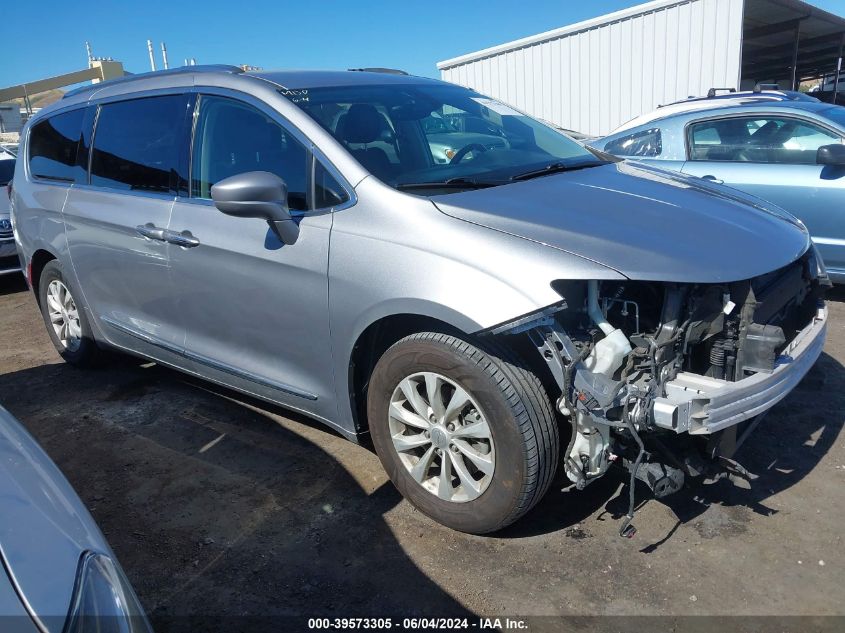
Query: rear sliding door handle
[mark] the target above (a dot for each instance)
(151, 231)
(181, 239)
(718, 181)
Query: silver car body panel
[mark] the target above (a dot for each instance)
(625, 217)
(44, 527)
(416, 255)
(124, 277)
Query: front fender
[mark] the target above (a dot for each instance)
(395, 254)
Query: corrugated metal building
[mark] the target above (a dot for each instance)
(595, 75)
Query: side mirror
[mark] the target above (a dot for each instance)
(257, 194)
(831, 155)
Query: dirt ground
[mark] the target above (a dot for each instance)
(221, 506)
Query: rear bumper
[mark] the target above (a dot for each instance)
(699, 405)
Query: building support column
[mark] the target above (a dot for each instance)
(838, 69)
(795, 77)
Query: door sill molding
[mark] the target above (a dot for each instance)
(246, 375)
(208, 362)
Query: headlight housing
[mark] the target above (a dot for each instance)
(103, 600)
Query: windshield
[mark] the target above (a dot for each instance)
(837, 115)
(414, 135)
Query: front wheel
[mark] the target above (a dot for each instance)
(466, 434)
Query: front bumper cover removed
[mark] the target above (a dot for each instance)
(700, 405)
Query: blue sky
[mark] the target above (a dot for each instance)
(48, 37)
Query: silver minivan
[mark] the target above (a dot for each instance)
(526, 304)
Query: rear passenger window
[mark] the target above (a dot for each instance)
(52, 147)
(644, 144)
(136, 143)
(232, 138)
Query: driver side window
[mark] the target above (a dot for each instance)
(232, 138)
(759, 139)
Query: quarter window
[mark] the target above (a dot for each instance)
(52, 147)
(758, 140)
(232, 138)
(327, 191)
(136, 143)
(643, 144)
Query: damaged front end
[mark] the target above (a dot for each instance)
(658, 376)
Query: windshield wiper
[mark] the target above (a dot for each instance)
(451, 183)
(555, 168)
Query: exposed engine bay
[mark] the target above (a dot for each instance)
(646, 370)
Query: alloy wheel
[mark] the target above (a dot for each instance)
(64, 315)
(442, 437)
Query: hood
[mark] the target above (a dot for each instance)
(44, 527)
(644, 222)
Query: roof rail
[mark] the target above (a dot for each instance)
(386, 71)
(712, 92)
(202, 68)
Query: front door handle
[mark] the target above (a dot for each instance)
(151, 231)
(181, 239)
(718, 181)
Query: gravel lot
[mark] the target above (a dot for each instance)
(224, 506)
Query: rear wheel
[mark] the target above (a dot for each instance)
(466, 434)
(65, 318)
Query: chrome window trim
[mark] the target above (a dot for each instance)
(200, 202)
(126, 192)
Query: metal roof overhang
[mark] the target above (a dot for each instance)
(790, 41)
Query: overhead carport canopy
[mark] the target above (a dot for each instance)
(789, 41)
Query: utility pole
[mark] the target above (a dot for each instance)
(164, 55)
(152, 57)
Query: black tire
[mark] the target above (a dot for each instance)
(87, 354)
(512, 400)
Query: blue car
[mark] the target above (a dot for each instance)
(782, 146)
